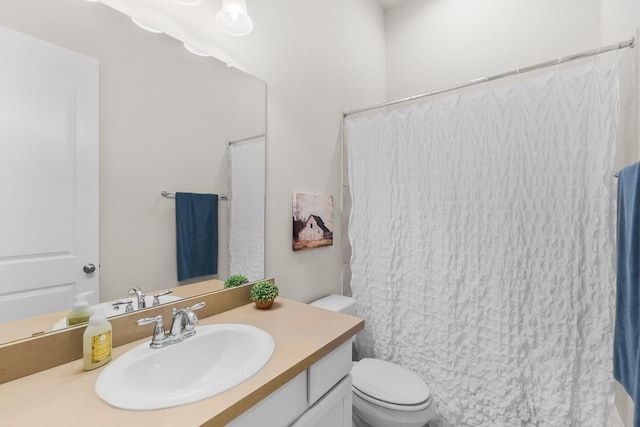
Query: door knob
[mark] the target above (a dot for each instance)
(89, 268)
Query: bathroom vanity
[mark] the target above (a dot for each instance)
(305, 383)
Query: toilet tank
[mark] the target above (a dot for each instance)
(339, 303)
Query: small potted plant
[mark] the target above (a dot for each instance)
(263, 293)
(235, 280)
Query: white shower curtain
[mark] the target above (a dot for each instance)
(482, 251)
(246, 242)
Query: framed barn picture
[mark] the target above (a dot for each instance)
(312, 216)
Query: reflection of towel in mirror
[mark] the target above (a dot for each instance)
(626, 345)
(196, 234)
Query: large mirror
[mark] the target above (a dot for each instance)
(166, 117)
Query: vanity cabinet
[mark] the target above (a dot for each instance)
(306, 382)
(319, 396)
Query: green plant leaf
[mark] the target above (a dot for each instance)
(235, 280)
(263, 291)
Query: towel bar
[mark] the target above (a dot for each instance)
(171, 195)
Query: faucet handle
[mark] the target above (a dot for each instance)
(147, 320)
(159, 337)
(128, 302)
(198, 306)
(184, 320)
(156, 297)
(192, 319)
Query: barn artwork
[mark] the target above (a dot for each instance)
(312, 221)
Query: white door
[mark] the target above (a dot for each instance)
(48, 176)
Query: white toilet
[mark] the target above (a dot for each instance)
(384, 394)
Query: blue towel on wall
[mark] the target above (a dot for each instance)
(626, 344)
(196, 234)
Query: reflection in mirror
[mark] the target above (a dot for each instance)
(246, 243)
(165, 119)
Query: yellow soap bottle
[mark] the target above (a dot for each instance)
(80, 312)
(97, 341)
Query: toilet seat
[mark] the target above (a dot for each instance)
(390, 386)
(389, 405)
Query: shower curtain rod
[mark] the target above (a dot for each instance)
(560, 60)
(249, 138)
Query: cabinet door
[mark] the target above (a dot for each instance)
(334, 409)
(280, 409)
(328, 371)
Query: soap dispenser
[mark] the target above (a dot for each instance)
(97, 341)
(80, 312)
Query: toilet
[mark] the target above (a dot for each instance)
(384, 394)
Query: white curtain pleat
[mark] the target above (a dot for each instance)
(246, 242)
(480, 231)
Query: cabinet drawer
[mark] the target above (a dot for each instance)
(328, 371)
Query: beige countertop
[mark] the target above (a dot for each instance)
(65, 395)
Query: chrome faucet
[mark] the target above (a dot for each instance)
(183, 323)
(140, 295)
(142, 303)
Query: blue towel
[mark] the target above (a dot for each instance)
(626, 343)
(196, 234)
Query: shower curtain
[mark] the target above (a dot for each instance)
(482, 250)
(246, 241)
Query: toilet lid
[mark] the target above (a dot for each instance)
(389, 382)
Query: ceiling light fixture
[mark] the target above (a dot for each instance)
(233, 18)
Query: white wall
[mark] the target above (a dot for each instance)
(620, 18)
(331, 61)
(433, 44)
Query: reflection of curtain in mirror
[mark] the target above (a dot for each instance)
(246, 242)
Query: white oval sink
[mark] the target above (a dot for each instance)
(215, 359)
(110, 310)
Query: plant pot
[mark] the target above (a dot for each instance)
(264, 304)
